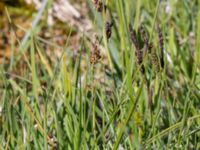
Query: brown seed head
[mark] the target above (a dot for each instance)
(138, 52)
(144, 34)
(145, 38)
(95, 56)
(161, 44)
(109, 29)
(99, 5)
(134, 38)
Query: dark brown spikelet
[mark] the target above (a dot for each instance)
(134, 38)
(138, 51)
(145, 38)
(161, 44)
(109, 29)
(95, 55)
(144, 35)
(99, 5)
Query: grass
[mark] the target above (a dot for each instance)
(70, 103)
